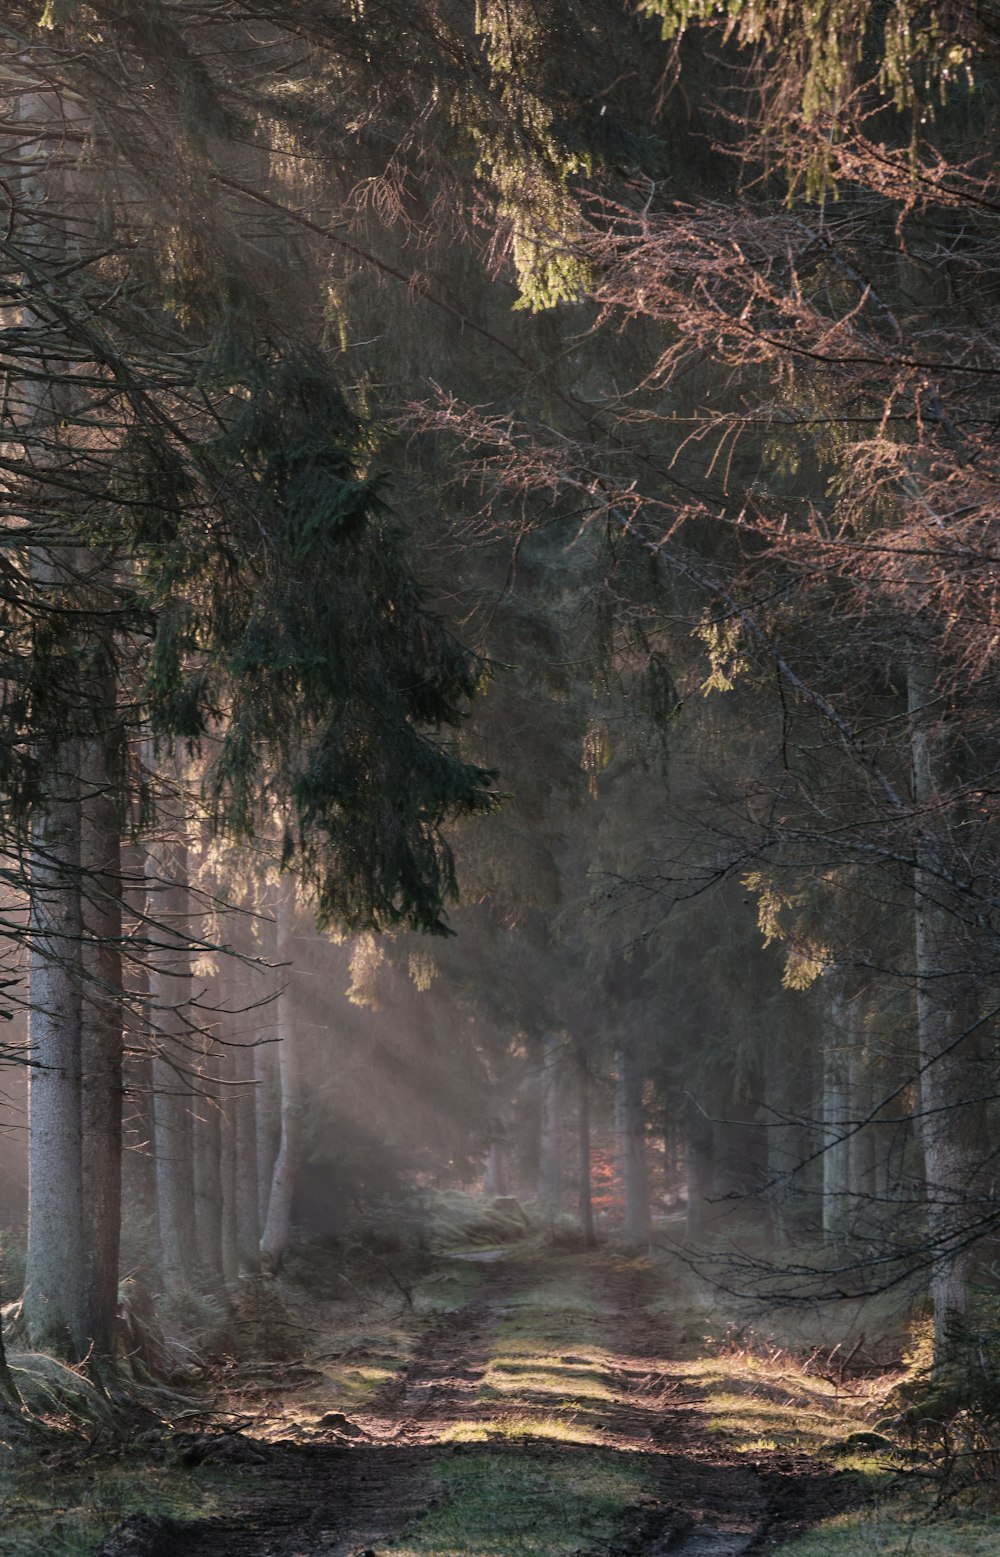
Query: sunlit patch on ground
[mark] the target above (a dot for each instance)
(564, 1428)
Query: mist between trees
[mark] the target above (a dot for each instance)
(528, 472)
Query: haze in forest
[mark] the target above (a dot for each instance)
(498, 717)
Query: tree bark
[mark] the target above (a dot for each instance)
(102, 1037)
(267, 1113)
(550, 1186)
(632, 1149)
(230, 1244)
(495, 1178)
(836, 1115)
(944, 1002)
(138, 1162)
(274, 1238)
(247, 1203)
(55, 1287)
(583, 1123)
(207, 1128)
(170, 993)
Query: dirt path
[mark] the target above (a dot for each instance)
(359, 1483)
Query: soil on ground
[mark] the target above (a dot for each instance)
(361, 1479)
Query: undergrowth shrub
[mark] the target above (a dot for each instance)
(950, 1413)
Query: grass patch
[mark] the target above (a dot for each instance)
(44, 1512)
(877, 1533)
(539, 1375)
(453, 1284)
(516, 1425)
(548, 1505)
(750, 1399)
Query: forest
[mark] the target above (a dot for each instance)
(499, 778)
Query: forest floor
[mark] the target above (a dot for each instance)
(520, 1402)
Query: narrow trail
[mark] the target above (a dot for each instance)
(338, 1496)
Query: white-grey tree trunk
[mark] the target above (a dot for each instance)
(267, 1113)
(174, 1045)
(943, 1006)
(550, 1175)
(207, 1127)
(55, 1302)
(836, 1114)
(230, 1247)
(274, 1237)
(496, 1180)
(138, 1164)
(247, 1200)
(102, 1034)
(864, 1139)
(55, 1286)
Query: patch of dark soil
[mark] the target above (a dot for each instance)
(141, 1535)
(325, 1500)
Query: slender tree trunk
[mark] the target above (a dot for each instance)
(102, 1040)
(170, 993)
(861, 1094)
(274, 1238)
(207, 1127)
(55, 1287)
(836, 1116)
(138, 1161)
(550, 1187)
(228, 1163)
(699, 1166)
(583, 1122)
(495, 1178)
(943, 1004)
(267, 1113)
(632, 1150)
(247, 1204)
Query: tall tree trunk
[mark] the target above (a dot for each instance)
(55, 1299)
(583, 1125)
(230, 1245)
(495, 1178)
(944, 1004)
(862, 1096)
(699, 1167)
(836, 1115)
(247, 1203)
(274, 1238)
(138, 1162)
(55, 1285)
(102, 1038)
(267, 1111)
(207, 1127)
(170, 993)
(632, 1150)
(550, 1187)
